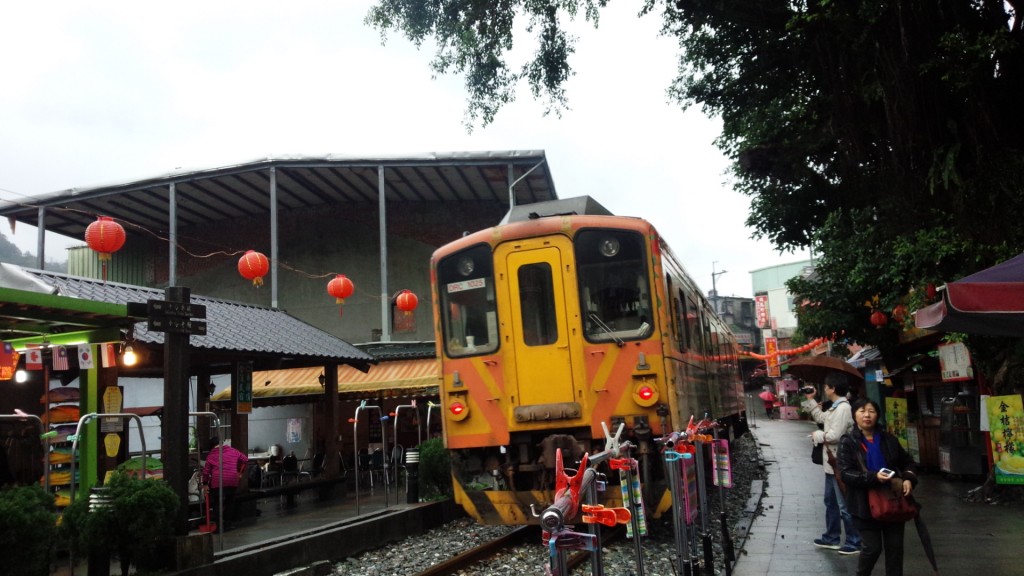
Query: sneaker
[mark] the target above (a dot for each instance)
(826, 544)
(847, 550)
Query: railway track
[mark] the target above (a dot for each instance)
(525, 535)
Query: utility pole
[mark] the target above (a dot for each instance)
(714, 288)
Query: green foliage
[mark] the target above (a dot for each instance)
(474, 37)
(882, 135)
(435, 469)
(28, 529)
(137, 524)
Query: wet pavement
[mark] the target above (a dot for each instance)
(968, 538)
(278, 525)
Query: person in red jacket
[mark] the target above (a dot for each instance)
(223, 480)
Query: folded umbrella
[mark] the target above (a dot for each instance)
(926, 540)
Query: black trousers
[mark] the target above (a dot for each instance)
(229, 505)
(876, 536)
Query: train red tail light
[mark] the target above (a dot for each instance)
(645, 392)
(458, 408)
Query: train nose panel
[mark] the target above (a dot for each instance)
(548, 412)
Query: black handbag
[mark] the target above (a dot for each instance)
(816, 456)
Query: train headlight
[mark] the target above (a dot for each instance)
(645, 394)
(466, 265)
(609, 247)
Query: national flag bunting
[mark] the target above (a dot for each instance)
(109, 356)
(60, 358)
(85, 357)
(34, 359)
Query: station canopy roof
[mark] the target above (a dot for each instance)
(235, 331)
(240, 191)
(408, 377)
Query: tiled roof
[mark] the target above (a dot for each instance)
(231, 327)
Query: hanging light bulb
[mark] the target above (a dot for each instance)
(129, 357)
(21, 376)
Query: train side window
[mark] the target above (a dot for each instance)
(696, 336)
(682, 330)
(468, 307)
(537, 303)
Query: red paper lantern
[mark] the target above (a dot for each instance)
(341, 287)
(104, 236)
(899, 313)
(879, 319)
(253, 266)
(406, 301)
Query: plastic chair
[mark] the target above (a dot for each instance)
(363, 467)
(289, 469)
(312, 468)
(398, 462)
(378, 466)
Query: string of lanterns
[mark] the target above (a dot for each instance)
(790, 352)
(105, 236)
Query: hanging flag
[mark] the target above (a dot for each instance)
(109, 356)
(85, 357)
(8, 361)
(34, 359)
(60, 358)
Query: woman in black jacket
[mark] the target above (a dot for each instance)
(862, 453)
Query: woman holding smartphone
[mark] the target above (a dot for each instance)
(870, 457)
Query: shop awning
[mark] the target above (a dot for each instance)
(987, 302)
(420, 373)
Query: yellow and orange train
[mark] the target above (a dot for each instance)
(561, 318)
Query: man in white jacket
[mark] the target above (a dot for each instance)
(837, 420)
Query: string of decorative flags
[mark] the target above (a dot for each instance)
(59, 360)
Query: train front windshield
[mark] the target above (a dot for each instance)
(469, 313)
(614, 292)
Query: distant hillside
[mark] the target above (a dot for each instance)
(10, 254)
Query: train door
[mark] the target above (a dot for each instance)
(540, 331)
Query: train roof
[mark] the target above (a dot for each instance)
(579, 206)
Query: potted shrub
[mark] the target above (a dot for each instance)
(435, 471)
(135, 522)
(28, 529)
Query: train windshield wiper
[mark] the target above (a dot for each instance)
(600, 324)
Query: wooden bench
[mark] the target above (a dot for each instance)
(324, 486)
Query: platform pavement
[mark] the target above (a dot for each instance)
(968, 538)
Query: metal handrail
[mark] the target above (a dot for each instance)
(355, 445)
(78, 431)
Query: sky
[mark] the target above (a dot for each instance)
(111, 92)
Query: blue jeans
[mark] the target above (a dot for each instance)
(835, 509)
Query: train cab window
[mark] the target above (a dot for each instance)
(469, 316)
(614, 291)
(537, 302)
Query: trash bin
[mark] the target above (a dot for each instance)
(412, 478)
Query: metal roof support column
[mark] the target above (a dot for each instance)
(172, 232)
(511, 183)
(40, 239)
(273, 237)
(385, 302)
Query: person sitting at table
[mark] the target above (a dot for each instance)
(289, 467)
(274, 467)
